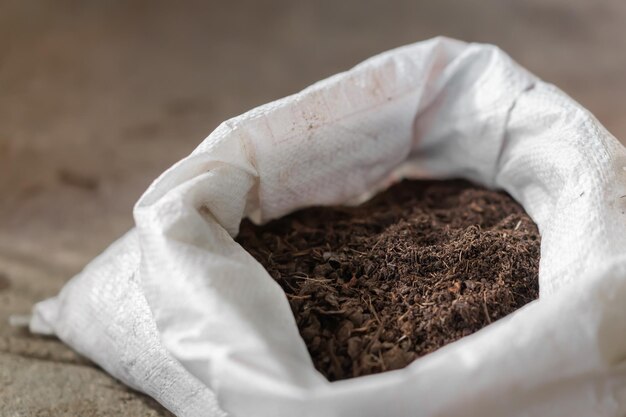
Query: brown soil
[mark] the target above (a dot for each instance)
(421, 265)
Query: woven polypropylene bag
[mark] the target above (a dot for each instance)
(178, 310)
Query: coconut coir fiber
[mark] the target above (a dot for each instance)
(421, 265)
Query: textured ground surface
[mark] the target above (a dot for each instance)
(97, 98)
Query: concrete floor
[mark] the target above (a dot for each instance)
(97, 98)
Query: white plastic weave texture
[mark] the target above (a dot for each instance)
(178, 310)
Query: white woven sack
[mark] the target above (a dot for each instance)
(178, 310)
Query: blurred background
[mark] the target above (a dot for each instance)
(98, 97)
